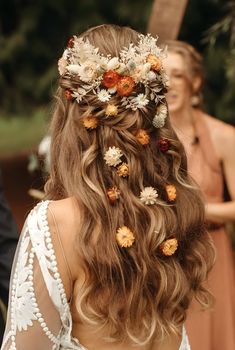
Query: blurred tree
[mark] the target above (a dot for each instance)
(221, 39)
(163, 12)
(219, 89)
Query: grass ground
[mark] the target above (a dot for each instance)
(20, 134)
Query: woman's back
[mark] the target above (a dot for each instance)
(127, 245)
(63, 217)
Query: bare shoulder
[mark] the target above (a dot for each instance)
(63, 220)
(65, 210)
(222, 134)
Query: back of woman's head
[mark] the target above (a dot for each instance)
(142, 239)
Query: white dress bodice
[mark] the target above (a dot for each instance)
(39, 315)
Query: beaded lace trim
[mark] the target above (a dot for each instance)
(36, 243)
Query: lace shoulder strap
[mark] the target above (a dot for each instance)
(43, 249)
(37, 303)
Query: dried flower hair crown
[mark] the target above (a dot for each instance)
(137, 75)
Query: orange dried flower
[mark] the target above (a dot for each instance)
(142, 137)
(111, 110)
(171, 193)
(125, 237)
(90, 122)
(155, 62)
(113, 194)
(125, 86)
(123, 170)
(110, 79)
(169, 247)
(68, 94)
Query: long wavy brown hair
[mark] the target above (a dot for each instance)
(136, 293)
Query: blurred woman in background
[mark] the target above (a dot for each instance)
(209, 145)
(114, 257)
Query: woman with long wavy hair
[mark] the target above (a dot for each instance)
(114, 256)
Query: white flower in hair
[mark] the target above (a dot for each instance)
(113, 64)
(112, 90)
(158, 121)
(148, 196)
(160, 117)
(87, 72)
(122, 69)
(134, 103)
(162, 110)
(103, 95)
(141, 72)
(113, 156)
(73, 69)
(140, 101)
(79, 94)
(140, 64)
(151, 76)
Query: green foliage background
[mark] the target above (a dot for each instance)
(34, 33)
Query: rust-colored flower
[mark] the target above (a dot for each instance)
(90, 122)
(123, 170)
(142, 137)
(125, 237)
(70, 43)
(171, 193)
(113, 194)
(155, 62)
(163, 144)
(110, 79)
(125, 86)
(68, 94)
(169, 246)
(111, 110)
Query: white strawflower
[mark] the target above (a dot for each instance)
(162, 109)
(151, 76)
(113, 63)
(146, 68)
(112, 90)
(139, 74)
(87, 72)
(103, 95)
(158, 121)
(122, 69)
(140, 101)
(79, 94)
(73, 69)
(148, 196)
(113, 156)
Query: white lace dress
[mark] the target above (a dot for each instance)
(39, 315)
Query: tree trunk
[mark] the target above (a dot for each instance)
(166, 18)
